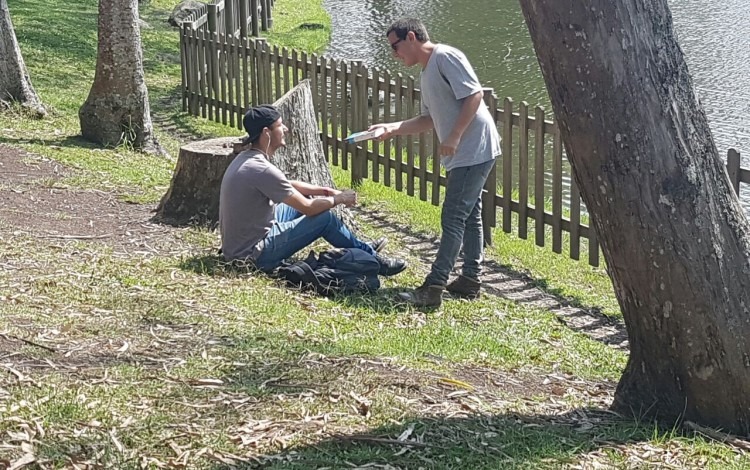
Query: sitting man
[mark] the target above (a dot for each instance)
(265, 218)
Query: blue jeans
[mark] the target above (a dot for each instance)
(292, 231)
(461, 221)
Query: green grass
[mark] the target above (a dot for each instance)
(582, 284)
(304, 26)
(166, 357)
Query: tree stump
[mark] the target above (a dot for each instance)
(193, 195)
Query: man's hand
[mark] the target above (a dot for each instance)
(389, 128)
(448, 146)
(347, 198)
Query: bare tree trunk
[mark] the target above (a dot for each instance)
(117, 109)
(15, 84)
(671, 228)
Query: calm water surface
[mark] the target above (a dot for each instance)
(715, 37)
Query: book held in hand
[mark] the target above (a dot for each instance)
(364, 135)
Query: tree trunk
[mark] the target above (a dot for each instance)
(193, 195)
(671, 229)
(15, 84)
(117, 109)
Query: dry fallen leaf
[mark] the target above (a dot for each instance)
(22, 462)
(455, 383)
(207, 382)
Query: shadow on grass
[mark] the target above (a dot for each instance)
(322, 404)
(505, 282)
(382, 301)
(503, 441)
(66, 142)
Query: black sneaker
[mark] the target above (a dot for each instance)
(378, 244)
(390, 266)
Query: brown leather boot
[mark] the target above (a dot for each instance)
(424, 296)
(464, 287)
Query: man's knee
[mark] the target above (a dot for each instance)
(326, 218)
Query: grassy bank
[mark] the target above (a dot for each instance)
(130, 345)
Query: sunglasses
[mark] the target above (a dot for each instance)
(394, 45)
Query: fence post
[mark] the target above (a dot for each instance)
(355, 122)
(490, 186)
(264, 15)
(184, 66)
(213, 60)
(229, 14)
(364, 118)
(733, 168)
(265, 87)
(254, 12)
(244, 15)
(212, 17)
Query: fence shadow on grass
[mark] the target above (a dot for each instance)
(503, 281)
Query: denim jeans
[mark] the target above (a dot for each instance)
(292, 231)
(461, 222)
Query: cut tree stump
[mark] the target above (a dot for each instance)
(193, 195)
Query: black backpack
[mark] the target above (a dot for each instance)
(339, 270)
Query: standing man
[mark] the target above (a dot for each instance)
(452, 104)
(264, 218)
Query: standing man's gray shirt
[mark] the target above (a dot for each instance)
(445, 81)
(249, 191)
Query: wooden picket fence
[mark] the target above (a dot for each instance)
(240, 18)
(223, 75)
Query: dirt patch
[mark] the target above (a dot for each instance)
(34, 201)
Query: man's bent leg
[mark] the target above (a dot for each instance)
(285, 213)
(289, 237)
(339, 235)
(462, 193)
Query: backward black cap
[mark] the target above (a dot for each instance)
(258, 117)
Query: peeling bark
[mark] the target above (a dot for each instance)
(671, 228)
(15, 84)
(117, 109)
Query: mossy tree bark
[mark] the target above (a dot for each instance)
(117, 108)
(15, 84)
(670, 226)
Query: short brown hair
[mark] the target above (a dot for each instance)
(402, 26)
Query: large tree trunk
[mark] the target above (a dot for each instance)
(671, 228)
(15, 84)
(117, 109)
(193, 195)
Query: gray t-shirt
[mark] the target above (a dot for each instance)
(249, 190)
(447, 79)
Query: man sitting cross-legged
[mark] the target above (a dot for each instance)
(264, 218)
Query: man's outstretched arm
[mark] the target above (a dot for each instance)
(411, 126)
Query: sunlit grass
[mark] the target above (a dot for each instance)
(155, 359)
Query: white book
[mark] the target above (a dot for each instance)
(364, 135)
